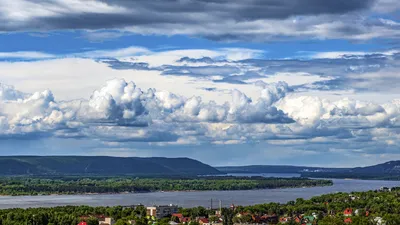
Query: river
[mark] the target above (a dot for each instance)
(191, 199)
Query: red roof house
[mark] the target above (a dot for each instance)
(255, 218)
(178, 215)
(348, 212)
(348, 220)
(82, 223)
(184, 219)
(204, 221)
(284, 219)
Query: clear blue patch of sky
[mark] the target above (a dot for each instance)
(65, 42)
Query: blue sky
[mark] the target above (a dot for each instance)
(302, 82)
(66, 42)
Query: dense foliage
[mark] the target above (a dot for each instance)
(328, 210)
(77, 185)
(68, 215)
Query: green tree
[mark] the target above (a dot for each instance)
(227, 215)
(121, 222)
(92, 221)
(331, 220)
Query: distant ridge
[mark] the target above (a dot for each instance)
(101, 165)
(389, 168)
(276, 169)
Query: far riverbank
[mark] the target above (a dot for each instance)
(192, 199)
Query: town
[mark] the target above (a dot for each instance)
(235, 215)
(171, 212)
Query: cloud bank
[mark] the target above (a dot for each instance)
(224, 20)
(120, 112)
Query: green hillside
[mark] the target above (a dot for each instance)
(101, 165)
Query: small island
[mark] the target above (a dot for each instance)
(101, 185)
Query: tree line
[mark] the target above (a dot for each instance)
(79, 185)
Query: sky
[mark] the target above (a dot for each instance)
(238, 82)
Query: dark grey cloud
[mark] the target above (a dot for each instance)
(121, 65)
(200, 60)
(210, 89)
(349, 72)
(150, 12)
(200, 71)
(124, 13)
(324, 67)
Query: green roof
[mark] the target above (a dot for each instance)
(309, 218)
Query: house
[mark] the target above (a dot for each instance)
(315, 215)
(184, 220)
(173, 223)
(347, 220)
(308, 220)
(106, 221)
(379, 221)
(385, 189)
(284, 219)
(161, 211)
(353, 197)
(297, 219)
(204, 221)
(177, 215)
(217, 220)
(103, 220)
(269, 218)
(256, 219)
(348, 212)
(82, 223)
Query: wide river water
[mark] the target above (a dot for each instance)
(191, 199)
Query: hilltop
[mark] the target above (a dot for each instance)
(101, 165)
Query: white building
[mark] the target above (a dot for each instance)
(106, 221)
(161, 211)
(379, 221)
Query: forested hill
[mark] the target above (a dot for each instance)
(101, 165)
(391, 168)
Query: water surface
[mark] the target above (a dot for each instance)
(191, 199)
